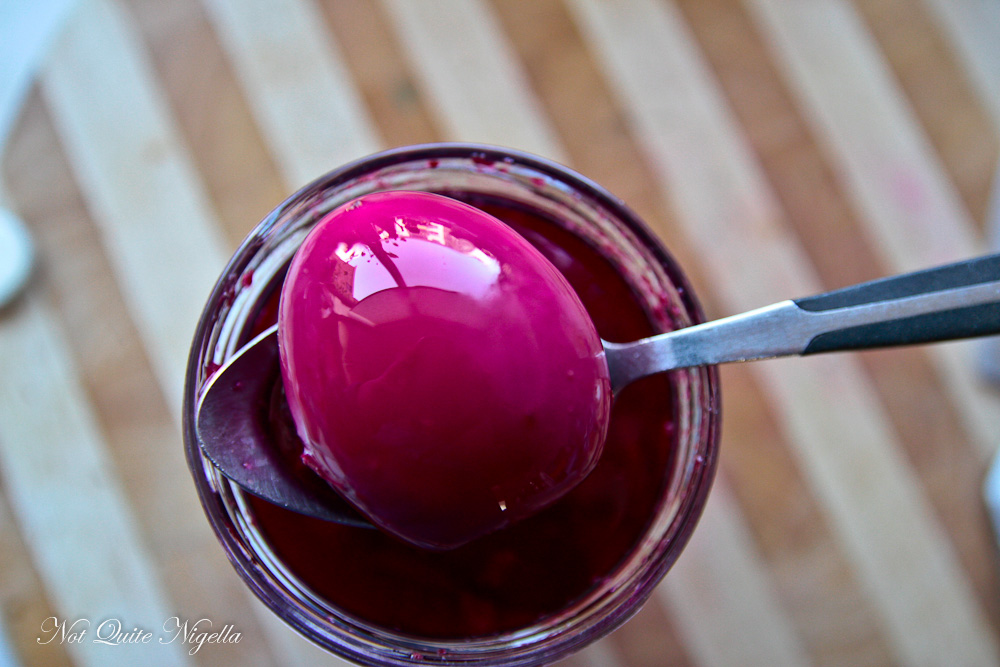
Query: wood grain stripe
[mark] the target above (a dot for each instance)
(302, 95)
(24, 603)
(941, 94)
(163, 237)
(846, 526)
(7, 658)
(887, 166)
(708, 607)
(813, 573)
(141, 434)
(827, 405)
(384, 77)
(922, 413)
(953, 484)
(599, 654)
(211, 112)
(95, 565)
(837, 72)
(470, 74)
(974, 29)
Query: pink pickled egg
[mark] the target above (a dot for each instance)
(442, 374)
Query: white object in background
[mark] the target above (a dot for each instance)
(16, 255)
(991, 493)
(989, 366)
(989, 357)
(27, 28)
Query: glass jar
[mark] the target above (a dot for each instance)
(578, 206)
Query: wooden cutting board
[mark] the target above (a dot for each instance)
(779, 148)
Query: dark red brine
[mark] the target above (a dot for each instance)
(519, 575)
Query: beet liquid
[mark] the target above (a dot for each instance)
(517, 576)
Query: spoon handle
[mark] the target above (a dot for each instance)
(955, 301)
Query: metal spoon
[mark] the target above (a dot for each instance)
(955, 301)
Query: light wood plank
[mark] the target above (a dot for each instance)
(805, 561)
(827, 406)
(23, 600)
(598, 654)
(211, 111)
(141, 434)
(941, 95)
(68, 503)
(913, 213)
(381, 71)
(26, 32)
(837, 73)
(928, 426)
(709, 605)
(162, 236)
(301, 92)
(471, 76)
(974, 29)
(138, 180)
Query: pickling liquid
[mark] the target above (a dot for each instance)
(522, 574)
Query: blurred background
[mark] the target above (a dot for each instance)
(779, 147)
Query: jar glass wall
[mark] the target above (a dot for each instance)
(514, 181)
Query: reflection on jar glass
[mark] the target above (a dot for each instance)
(551, 584)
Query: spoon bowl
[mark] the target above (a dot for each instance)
(232, 429)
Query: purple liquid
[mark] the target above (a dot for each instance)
(521, 574)
(443, 375)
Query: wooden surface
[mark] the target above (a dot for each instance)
(779, 147)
